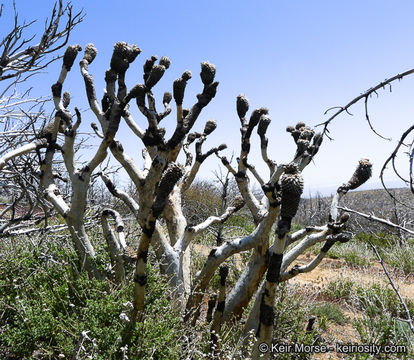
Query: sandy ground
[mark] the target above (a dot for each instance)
(329, 270)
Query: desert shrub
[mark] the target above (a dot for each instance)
(383, 330)
(292, 312)
(353, 258)
(401, 258)
(51, 308)
(381, 240)
(329, 311)
(358, 252)
(378, 299)
(240, 224)
(378, 320)
(354, 253)
(339, 289)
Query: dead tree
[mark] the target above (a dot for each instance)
(21, 56)
(406, 142)
(162, 181)
(79, 175)
(22, 116)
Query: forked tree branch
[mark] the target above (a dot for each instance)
(17, 53)
(364, 95)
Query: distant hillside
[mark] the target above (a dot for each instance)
(376, 202)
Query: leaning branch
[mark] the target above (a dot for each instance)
(391, 159)
(409, 319)
(377, 219)
(22, 150)
(115, 245)
(364, 95)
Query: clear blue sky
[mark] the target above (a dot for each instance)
(297, 58)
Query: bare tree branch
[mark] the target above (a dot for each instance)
(377, 219)
(364, 96)
(407, 311)
(19, 55)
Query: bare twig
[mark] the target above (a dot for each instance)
(392, 158)
(407, 312)
(364, 95)
(377, 219)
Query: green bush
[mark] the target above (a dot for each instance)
(401, 257)
(243, 222)
(375, 299)
(329, 311)
(381, 240)
(354, 253)
(378, 299)
(292, 312)
(355, 259)
(339, 289)
(51, 308)
(384, 330)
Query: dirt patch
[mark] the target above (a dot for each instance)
(334, 269)
(330, 270)
(337, 269)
